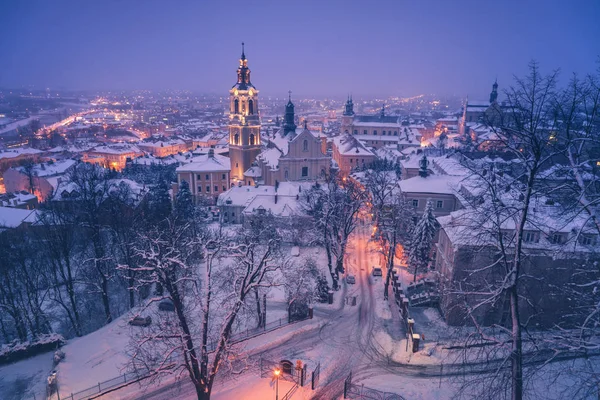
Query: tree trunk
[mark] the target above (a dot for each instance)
(258, 308)
(517, 347)
(105, 299)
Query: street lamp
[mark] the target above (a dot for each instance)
(277, 373)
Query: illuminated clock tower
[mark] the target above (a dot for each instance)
(244, 122)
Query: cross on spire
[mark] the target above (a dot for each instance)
(290, 95)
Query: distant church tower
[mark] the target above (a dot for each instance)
(244, 122)
(348, 116)
(494, 94)
(289, 125)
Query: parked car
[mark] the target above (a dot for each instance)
(350, 279)
(140, 321)
(377, 271)
(166, 305)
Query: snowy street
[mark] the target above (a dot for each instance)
(348, 339)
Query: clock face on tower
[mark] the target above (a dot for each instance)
(250, 92)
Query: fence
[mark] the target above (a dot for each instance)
(290, 392)
(127, 378)
(316, 374)
(353, 391)
(107, 385)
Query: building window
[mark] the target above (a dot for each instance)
(199, 177)
(236, 139)
(587, 240)
(375, 133)
(216, 188)
(286, 174)
(383, 133)
(356, 131)
(250, 107)
(322, 172)
(351, 160)
(363, 160)
(556, 238)
(207, 189)
(252, 140)
(223, 176)
(395, 133)
(224, 188)
(365, 132)
(415, 203)
(236, 106)
(439, 204)
(207, 177)
(304, 171)
(305, 145)
(237, 165)
(199, 189)
(531, 237)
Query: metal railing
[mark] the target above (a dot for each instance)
(353, 391)
(107, 385)
(130, 377)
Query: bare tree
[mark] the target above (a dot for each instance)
(523, 127)
(198, 269)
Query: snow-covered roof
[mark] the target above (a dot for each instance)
(13, 217)
(434, 184)
(206, 163)
(19, 151)
(350, 145)
(121, 148)
(48, 169)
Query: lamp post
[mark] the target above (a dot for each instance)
(277, 372)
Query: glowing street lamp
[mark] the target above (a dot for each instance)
(277, 373)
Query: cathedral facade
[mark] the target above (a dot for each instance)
(244, 123)
(291, 154)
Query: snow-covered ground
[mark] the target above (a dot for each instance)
(26, 379)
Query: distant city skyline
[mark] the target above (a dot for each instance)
(385, 48)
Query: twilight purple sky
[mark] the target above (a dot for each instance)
(313, 47)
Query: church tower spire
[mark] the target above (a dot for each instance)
(289, 125)
(244, 122)
(494, 93)
(349, 109)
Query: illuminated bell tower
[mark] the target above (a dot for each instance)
(348, 116)
(244, 122)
